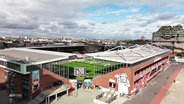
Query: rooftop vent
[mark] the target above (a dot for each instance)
(28, 58)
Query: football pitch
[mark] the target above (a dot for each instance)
(92, 66)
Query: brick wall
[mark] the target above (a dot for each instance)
(2, 74)
(17, 79)
(47, 78)
(104, 80)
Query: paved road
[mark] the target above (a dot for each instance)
(4, 99)
(146, 95)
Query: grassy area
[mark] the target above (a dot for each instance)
(80, 79)
(90, 64)
(89, 67)
(181, 54)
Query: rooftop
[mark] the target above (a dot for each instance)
(132, 54)
(25, 55)
(169, 31)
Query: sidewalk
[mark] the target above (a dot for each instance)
(119, 100)
(163, 91)
(82, 96)
(4, 97)
(176, 91)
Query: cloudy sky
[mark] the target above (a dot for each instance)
(102, 19)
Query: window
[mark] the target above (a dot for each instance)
(112, 85)
(33, 67)
(35, 87)
(13, 66)
(2, 62)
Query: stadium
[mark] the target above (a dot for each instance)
(120, 70)
(134, 67)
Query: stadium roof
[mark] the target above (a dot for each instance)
(25, 55)
(132, 54)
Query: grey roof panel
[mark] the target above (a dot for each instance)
(31, 55)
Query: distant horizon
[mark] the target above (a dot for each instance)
(71, 37)
(93, 19)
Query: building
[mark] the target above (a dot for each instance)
(170, 36)
(125, 70)
(130, 68)
(27, 72)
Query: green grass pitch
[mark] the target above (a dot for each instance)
(90, 64)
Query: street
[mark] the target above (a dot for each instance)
(147, 94)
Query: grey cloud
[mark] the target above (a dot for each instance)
(161, 17)
(47, 9)
(182, 20)
(19, 23)
(2, 15)
(36, 12)
(104, 22)
(19, 26)
(83, 27)
(91, 23)
(41, 10)
(126, 29)
(62, 28)
(165, 16)
(140, 19)
(54, 27)
(69, 25)
(72, 25)
(149, 21)
(138, 32)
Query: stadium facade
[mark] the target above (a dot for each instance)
(137, 65)
(29, 71)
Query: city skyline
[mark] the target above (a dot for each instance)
(104, 19)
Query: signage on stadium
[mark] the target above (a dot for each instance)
(79, 71)
(35, 80)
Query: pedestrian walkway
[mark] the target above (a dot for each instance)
(120, 100)
(176, 91)
(80, 96)
(4, 97)
(163, 91)
(147, 93)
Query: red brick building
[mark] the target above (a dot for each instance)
(2, 74)
(29, 71)
(137, 65)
